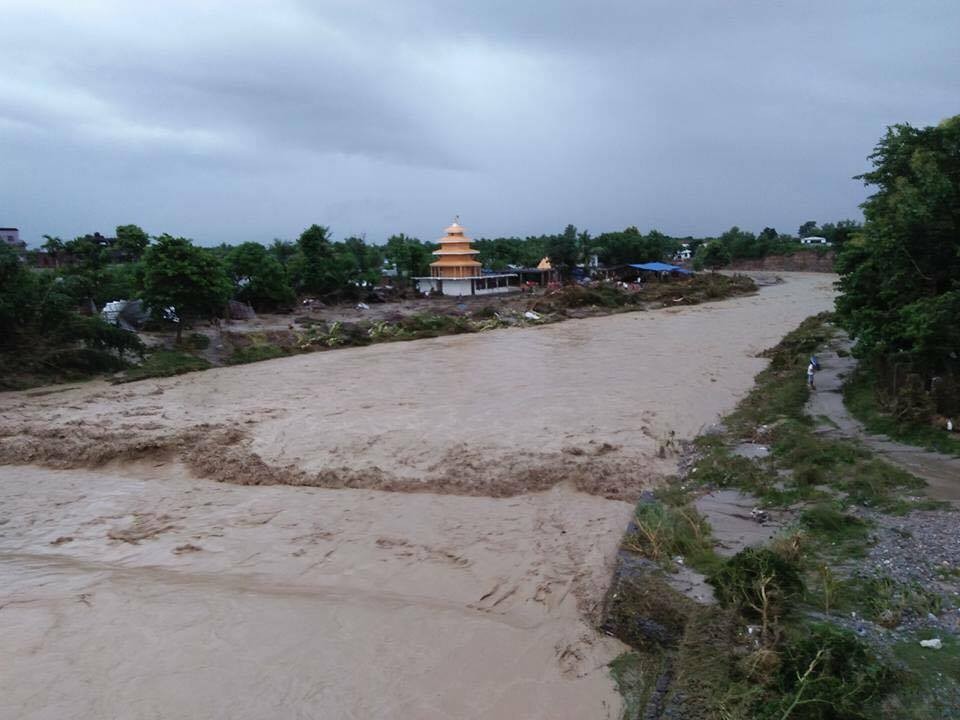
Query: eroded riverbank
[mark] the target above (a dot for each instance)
(180, 597)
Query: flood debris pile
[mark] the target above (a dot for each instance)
(840, 614)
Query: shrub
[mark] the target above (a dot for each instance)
(760, 584)
(828, 674)
(666, 531)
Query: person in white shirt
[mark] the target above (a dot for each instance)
(810, 370)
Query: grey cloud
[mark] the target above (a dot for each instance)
(248, 120)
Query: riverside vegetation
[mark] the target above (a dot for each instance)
(29, 364)
(47, 332)
(900, 287)
(801, 629)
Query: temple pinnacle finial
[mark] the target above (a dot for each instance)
(456, 219)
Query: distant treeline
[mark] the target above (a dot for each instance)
(48, 304)
(632, 246)
(98, 269)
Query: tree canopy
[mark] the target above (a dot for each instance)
(900, 275)
(131, 241)
(258, 277)
(189, 279)
(712, 255)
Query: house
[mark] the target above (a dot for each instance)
(814, 240)
(543, 274)
(684, 253)
(11, 236)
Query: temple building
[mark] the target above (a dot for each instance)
(457, 272)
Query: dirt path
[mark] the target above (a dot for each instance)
(941, 472)
(133, 586)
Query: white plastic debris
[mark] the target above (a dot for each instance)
(531, 315)
(759, 515)
(112, 309)
(933, 644)
(362, 306)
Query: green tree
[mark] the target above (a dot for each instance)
(563, 250)
(900, 275)
(120, 281)
(741, 243)
(283, 251)
(408, 255)
(808, 228)
(131, 241)
(90, 255)
(17, 293)
(768, 234)
(258, 277)
(366, 259)
(41, 334)
(844, 231)
(189, 279)
(54, 247)
(712, 255)
(313, 264)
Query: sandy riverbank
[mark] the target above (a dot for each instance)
(133, 586)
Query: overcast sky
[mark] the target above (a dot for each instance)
(235, 120)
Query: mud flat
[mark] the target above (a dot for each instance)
(132, 585)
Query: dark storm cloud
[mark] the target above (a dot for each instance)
(248, 120)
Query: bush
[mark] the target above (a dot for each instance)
(828, 674)
(760, 584)
(665, 531)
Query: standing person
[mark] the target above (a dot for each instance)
(811, 369)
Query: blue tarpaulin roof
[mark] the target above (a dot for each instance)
(660, 267)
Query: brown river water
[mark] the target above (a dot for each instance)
(408, 530)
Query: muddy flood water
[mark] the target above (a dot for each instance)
(408, 530)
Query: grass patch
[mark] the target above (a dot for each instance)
(634, 675)
(931, 678)
(664, 532)
(888, 602)
(781, 389)
(256, 353)
(164, 363)
(197, 341)
(795, 445)
(860, 396)
(877, 484)
(834, 531)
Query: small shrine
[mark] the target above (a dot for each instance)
(457, 272)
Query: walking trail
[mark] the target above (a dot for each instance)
(940, 471)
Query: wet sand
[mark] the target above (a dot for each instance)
(132, 585)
